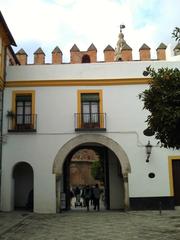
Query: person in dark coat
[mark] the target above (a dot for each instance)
(96, 193)
(87, 196)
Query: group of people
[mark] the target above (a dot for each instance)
(90, 195)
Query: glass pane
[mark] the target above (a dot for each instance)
(86, 113)
(27, 119)
(19, 119)
(94, 107)
(94, 112)
(27, 109)
(86, 108)
(19, 110)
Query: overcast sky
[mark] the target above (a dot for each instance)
(63, 23)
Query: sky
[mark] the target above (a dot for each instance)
(63, 23)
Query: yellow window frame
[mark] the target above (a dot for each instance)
(100, 93)
(23, 93)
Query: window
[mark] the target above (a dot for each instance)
(24, 111)
(23, 108)
(90, 110)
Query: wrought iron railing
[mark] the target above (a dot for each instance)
(90, 121)
(22, 122)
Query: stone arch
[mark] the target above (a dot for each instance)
(91, 138)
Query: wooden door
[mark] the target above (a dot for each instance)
(176, 180)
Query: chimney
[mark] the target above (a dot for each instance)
(177, 49)
(144, 52)
(109, 54)
(92, 52)
(22, 56)
(75, 54)
(126, 53)
(161, 52)
(39, 56)
(56, 56)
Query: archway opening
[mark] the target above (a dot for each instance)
(91, 164)
(23, 186)
(86, 59)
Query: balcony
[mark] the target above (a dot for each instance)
(22, 122)
(90, 121)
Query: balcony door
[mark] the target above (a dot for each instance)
(23, 111)
(90, 110)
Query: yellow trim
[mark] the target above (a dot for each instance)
(82, 82)
(23, 92)
(79, 92)
(171, 183)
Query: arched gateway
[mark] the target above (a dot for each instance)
(92, 139)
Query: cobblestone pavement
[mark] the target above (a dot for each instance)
(80, 224)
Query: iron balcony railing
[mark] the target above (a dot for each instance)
(90, 121)
(22, 123)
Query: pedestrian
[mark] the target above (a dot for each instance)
(92, 196)
(96, 193)
(87, 196)
(77, 194)
(71, 195)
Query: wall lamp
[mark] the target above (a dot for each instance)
(148, 150)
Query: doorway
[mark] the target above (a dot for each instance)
(82, 168)
(23, 186)
(176, 180)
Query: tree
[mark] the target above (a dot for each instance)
(162, 99)
(176, 34)
(97, 170)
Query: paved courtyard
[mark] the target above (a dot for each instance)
(82, 225)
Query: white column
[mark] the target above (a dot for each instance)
(126, 191)
(58, 193)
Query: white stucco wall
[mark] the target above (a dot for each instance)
(111, 70)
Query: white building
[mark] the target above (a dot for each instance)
(34, 155)
(56, 109)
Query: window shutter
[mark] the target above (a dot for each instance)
(94, 97)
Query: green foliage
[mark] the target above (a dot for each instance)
(176, 34)
(162, 99)
(97, 170)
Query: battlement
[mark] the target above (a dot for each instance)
(90, 55)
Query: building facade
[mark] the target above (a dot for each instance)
(7, 57)
(51, 111)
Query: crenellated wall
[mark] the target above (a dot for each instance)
(90, 55)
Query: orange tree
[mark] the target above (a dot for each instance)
(162, 100)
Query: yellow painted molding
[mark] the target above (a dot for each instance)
(171, 183)
(82, 82)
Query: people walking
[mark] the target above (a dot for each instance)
(87, 196)
(96, 194)
(92, 196)
(77, 193)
